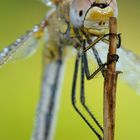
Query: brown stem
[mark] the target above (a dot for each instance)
(110, 83)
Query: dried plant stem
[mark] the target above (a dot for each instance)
(110, 83)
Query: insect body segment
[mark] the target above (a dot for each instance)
(82, 25)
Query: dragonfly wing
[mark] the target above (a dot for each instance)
(128, 63)
(24, 46)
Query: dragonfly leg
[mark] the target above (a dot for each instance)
(118, 39)
(96, 54)
(102, 38)
(98, 59)
(82, 96)
(73, 97)
(85, 61)
(113, 58)
(101, 67)
(88, 75)
(118, 36)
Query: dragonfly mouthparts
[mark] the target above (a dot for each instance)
(96, 28)
(96, 19)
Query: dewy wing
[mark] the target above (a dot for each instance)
(24, 46)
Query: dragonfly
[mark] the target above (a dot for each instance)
(82, 25)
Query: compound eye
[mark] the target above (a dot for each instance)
(81, 13)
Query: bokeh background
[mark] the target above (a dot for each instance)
(20, 81)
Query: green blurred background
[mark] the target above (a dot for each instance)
(20, 81)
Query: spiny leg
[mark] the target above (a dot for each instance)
(94, 42)
(118, 39)
(96, 54)
(84, 67)
(82, 96)
(98, 59)
(101, 65)
(101, 38)
(73, 97)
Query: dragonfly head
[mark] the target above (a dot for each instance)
(93, 15)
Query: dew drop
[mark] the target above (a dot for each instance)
(18, 40)
(48, 3)
(35, 28)
(2, 55)
(6, 50)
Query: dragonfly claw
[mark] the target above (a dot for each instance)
(113, 58)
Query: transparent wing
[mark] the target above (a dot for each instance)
(129, 64)
(24, 46)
